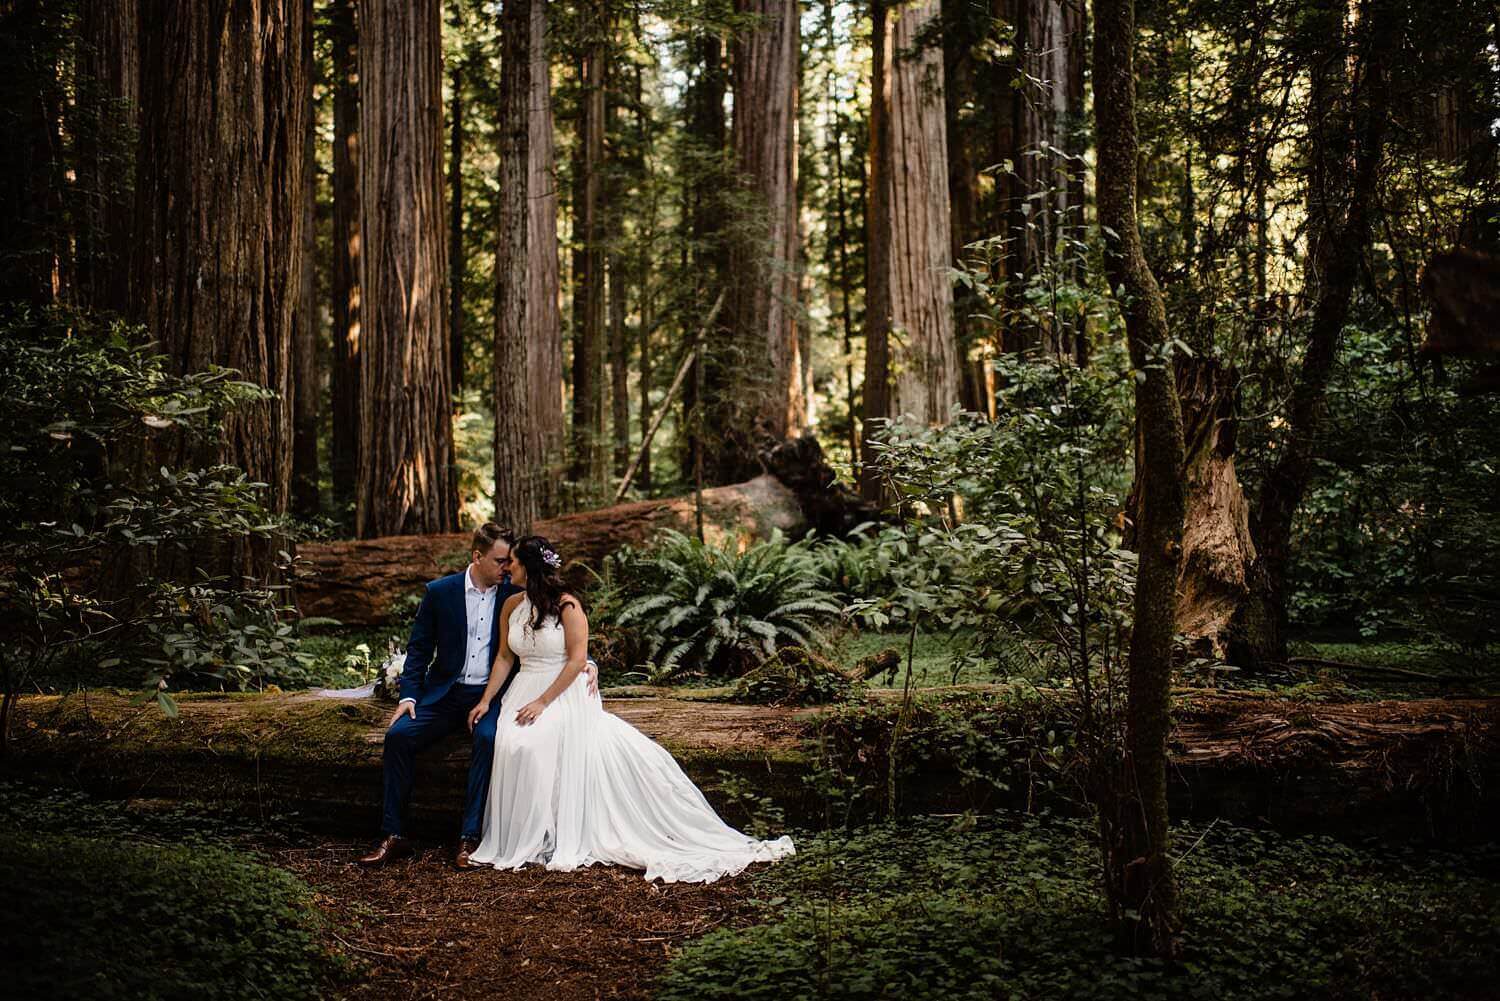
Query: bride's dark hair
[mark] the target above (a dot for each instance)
(544, 582)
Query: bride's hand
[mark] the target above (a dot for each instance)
(476, 714)
(529, 712)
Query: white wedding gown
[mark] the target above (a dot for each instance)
(580, 786)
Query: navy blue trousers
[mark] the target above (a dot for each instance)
(410, 736)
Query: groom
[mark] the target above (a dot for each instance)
(459, 619)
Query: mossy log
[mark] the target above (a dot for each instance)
(357, 582)
(1424, 769)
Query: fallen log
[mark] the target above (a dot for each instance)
(1424, 768)
(357, 582)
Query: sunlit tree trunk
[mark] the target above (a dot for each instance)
(218, 209)
(406, 480)
(915, 354)
(544, 347)
(516, 441)
(760, 396)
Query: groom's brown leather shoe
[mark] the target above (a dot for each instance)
(466, 847)
(391, 848)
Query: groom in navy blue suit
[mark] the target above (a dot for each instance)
(459, 621)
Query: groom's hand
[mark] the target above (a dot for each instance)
(476, 714)
(406, 708)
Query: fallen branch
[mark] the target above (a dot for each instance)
(1400, 672)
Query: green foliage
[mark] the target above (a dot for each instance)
(1397, 536)
(107, 904)
(716, 610)
(105, 557)
(794, 677)
(1009, 908)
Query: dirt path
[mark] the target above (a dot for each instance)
(421, 929)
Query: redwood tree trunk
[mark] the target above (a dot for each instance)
(516, 441)
(457, 264)
(877, 387)
(405, 480)
(305, 333)
(544, 348)
(588, 267)
(924, 362)
(345, 270)
(109, 66)
(218, 209)
(760, 397)
(1138, 870)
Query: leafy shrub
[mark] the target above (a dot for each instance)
(716, 610)
(980, 909)
(130, 920)
(104, 558)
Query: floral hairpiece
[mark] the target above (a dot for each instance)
(551, 558)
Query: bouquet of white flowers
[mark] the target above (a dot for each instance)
(388, 681)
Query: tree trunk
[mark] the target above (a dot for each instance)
(218, 213)
(457, 263)
(1138, 870)
(925, 363)
(705, 250)
(838, 264)
(544, 347)
(588, 267)
(31, 163)
(345, 271)
(516, 442)
(758, 392)
(619, 348)
(306, 386)
(877, 386)
(405, 478)
(1347, 115)
(109, 67)
(1037, 110)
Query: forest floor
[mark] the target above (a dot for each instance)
(422, 929)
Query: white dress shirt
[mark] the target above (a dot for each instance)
(479, 618)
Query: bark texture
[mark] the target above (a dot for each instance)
(1138, 870)
(344, 272)
(218, 207)
(876, 393)
(516, 443)
(405, 480)
(306, 333)
(588, 264)
(910, 239)
(544, 346)
(759, 386)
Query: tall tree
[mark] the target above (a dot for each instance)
(1138, 870)
(1347, 114)
(516, 442)
(762, 375)
(31, 34)
(344, 275)
(405, 480)
(544, 358)
(305, 327)
(457, 263)
(910, 240)
(105, 130)
(705, 246)
(588, 258)
(218, 209)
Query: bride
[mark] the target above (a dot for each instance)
(572, 784)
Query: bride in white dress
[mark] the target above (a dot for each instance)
(572, 784)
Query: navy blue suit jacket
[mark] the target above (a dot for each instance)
(440, 638)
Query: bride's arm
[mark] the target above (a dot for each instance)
(576, 637)
(505, 662)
